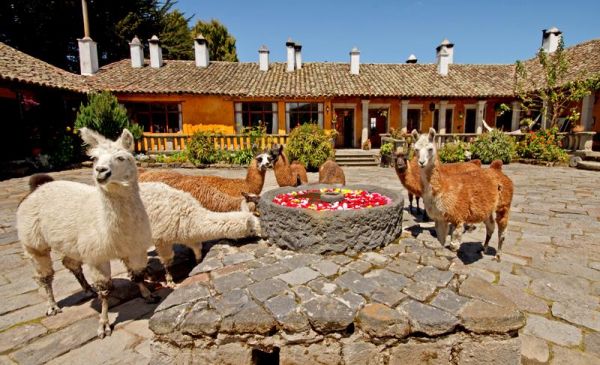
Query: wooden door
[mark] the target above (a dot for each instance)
(345, 128)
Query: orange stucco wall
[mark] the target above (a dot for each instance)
(7, 93)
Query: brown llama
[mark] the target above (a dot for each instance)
(287, 174)
(216, 193)
(410, 176)
(331, 173)
(468, 197)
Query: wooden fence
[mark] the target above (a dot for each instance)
(174, 142)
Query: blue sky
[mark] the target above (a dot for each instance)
(483, 31)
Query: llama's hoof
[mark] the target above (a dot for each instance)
(453, 247)
(497, 257)
(104, 330)
(171, 284)
(53, 310)
(153, 299)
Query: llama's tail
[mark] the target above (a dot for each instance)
(476, 162)
(37, 180)
(496, 164)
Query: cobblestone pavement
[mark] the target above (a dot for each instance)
(550, 270)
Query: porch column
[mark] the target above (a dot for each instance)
(365, 122)
(239, 125)
(404, 115)
(516, 115)
(479, 118)
(544, 115)
(587, 106)
(275, 120)
(442, 116)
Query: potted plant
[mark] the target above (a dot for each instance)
(386, 154)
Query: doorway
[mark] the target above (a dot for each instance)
(504, 121)
(470, 120)
(378, 120)
(345, 128)
(413, 120)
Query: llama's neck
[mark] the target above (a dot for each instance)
(122, 208)
(410, 178)
(255, 178)
(431, 178)
(229, 225)
(283, 171)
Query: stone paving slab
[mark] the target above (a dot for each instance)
(551, 256)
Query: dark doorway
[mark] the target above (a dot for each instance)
(345, 127)
(413, 117)
(377, 125)
(470, 119)
(504, 121)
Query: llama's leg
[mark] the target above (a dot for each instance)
(136, 265)
(102, 285)
(197, 248)
(470, 227)
(456, 238)
(166, 255)
(44, 274)
(441, 229)
(410, 202)
(74, 267)
(502, 221)
(489, 231)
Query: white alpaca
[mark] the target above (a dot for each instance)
(90, 224)
(177, 217)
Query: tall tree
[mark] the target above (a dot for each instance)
(175, 37)
(221, 44)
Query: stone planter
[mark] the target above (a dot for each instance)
(310, 231)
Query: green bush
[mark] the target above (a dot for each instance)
(105, 115)
(310, 145)
(201, 149)
(386, 149)
(64, 150)
(494, 145)
(239, 157)
(543, 145)
(454, 151)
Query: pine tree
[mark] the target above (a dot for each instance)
(221, 44)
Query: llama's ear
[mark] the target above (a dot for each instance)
(91, 138)
(126, 140)
(431, 134)
(415, 135)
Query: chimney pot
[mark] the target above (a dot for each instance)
(136, 49)
(411, 59)
(291, 56)
(88, 56)
(201, 51)
(354, 61)
(449, 47)
(263, 58)
(550, 39)
(156, 60)
(298, 54)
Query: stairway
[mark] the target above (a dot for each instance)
(589, 160)
(356, 157)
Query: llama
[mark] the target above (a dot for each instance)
(176, 217)
(209, 196)
(410, 176)
(469, 197)
(90, 224)
(287, 174)
(331, 173)
(203, 187)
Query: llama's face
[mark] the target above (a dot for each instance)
(400, 161)
(113, 161)
(425, 148)
(264, 160)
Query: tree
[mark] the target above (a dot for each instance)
(221, 44)
(175, 36)
(547, 86)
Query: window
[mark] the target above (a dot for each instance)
(301, 113)
(254, 114)
(156, 117)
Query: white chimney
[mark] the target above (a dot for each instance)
(201, 51)
(550, 39)
(354, 61)
(136, 48)
(88, 56)
(291, 58)
(443, 60)
(449, 49)
(156, 60)
(411, 59)
(298, 52)
(263, 58)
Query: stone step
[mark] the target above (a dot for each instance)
(358, 163)
(589, 165)
(354, 158)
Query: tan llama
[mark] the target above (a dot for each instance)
(287, 174)
(331, 173)
(468, 197)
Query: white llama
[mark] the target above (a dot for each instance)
(90, 224)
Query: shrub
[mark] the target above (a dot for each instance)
(105, 115)
(310, 145)
(542, 145)
(239, 157)
(386, 149)
(455, 151)
(494, 145)
(201, 149)
(64, 150)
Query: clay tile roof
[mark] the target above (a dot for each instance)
(18, 66)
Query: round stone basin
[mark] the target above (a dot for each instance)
(313, 231)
